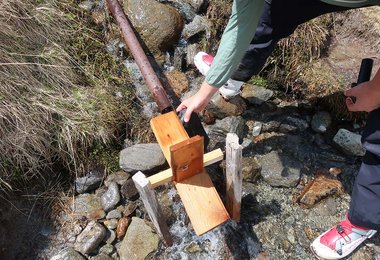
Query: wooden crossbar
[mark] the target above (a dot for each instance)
(167, 175)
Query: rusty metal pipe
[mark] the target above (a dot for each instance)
(140, 57)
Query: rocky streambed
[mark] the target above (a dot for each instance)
(107, 220)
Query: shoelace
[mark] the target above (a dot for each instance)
(342, 231)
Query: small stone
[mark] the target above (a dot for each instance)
(111, 223)
(119, 177)
(96, 214)
(113, 214)
(122, 227)
(129, 191)
(68, 254)
(130, 209)
(110, 199)
(321, 122)
(348, 142)
(90, 238)
(257, 126)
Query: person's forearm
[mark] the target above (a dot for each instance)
(235, 40)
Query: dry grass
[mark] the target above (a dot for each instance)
(295, 53)
(58, 88)
(363, 23)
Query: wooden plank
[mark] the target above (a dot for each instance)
(152, 207)
(186, 158)
(202, 202)
(168, 130)
(167, 175)
(234, 176)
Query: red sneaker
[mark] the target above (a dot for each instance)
(203, 62)
(341, 240)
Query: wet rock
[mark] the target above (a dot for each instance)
(110, 237)
(68, 254)
(185, 8)
(321, 122)
(111, 197)
(219, 130)
(323, 184)
(191, 51)
(86, 203)
(199, 24)
(119, 177)
(107, 249)
(178, 81)
(129, 191)
(139, 241)
(113, 214)
(280, 170)
(159, 25)
(179, 58)
(89, 182)
(293, 125)
(256, 95)
(349, 143)
(150, 109)
(111, 223)
(90, 238)
(131, 158)
(256, 129)
(221, 108)
(166, 204)
(122, 227)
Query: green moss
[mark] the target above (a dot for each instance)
(107, 157)
(258, 81)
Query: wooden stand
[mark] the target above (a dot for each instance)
(194, 186)
(152, 207)
(234, 177)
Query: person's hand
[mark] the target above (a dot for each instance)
(366, 95)
(198, 101)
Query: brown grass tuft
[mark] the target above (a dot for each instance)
(58, 88)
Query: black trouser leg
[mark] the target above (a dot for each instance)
(279, 19)
(365, 201)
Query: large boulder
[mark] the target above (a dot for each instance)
(159, 25)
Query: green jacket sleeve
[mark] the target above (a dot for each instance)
(235, 40)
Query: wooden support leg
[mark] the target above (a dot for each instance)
(234, 176)
(152, 207)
